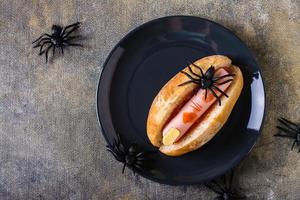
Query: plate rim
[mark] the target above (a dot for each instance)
(136, 29)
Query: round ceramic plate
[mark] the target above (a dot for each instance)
(143, 61)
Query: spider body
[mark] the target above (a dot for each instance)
(291, 130)
(56, 38)
(207, 80)
(59, 38)
(130, 157)
(223, 188)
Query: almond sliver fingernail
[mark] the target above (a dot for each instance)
(171, 136)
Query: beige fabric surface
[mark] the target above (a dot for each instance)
(50, 141)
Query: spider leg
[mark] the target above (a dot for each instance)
(114, 142)
(116, 148)
(72, 37)
(299, 150)
(293, 144)
(221, 77)
(118, 139)
(216, 190)
(190, 69)
(285, 130)
(47, 50)
(140, 154)
(110, 150)
(140, 167)
(202, 74)
(139, 162)
(73, 27)
(220, 90)
(66, 34)
(121, 147)
(123, 169)
(45, 34)
(288, 121)
(218, 98)
(288, 124)
(62, 50)
(205, 93)
(53, 50)
(229, 80)
(113, 153)
(39, 43)
(280, 135)
(141, 159)
(73, 44)
(187, 82)
(188, 75)
(222, 189)
(41, 48)
(116, 156)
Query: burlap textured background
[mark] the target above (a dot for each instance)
(50, 141)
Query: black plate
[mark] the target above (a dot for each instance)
(144, 60)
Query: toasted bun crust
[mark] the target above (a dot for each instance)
(171, 98)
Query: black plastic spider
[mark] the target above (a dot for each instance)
(223, 187)
(131, 157)
(60, 38)
(291, 129)
(207, 80)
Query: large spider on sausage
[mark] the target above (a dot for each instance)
(207, 80)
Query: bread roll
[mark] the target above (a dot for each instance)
(172, 97)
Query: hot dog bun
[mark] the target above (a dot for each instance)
(171, 98)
